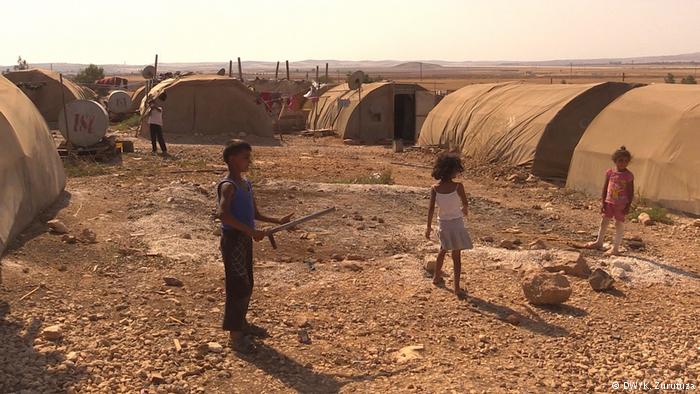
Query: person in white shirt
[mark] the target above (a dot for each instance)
(453, 206)
(155, 123)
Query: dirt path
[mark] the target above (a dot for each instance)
(354, 281)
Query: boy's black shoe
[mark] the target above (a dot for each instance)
(256, 331)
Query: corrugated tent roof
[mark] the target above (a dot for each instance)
(660, 126)
(518, 123)
(137, 97)
(377, 98)
(31, 173)
(43, 88)
(211, 104)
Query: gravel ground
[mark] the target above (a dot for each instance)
(99, 317)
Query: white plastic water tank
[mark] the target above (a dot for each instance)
(118, 102)
(87, 122)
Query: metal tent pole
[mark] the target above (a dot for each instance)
(65, 113)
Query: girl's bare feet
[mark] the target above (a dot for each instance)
(593, 245)
(439, 282)
(461, 294)
(612, 252)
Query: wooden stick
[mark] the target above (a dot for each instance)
(409, 165)
(30, 293)
(177, 344)
(175, 320)
(198, 170)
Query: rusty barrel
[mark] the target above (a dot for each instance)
(118, 102)
(87, 122)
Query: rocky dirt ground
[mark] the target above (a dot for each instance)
(89, 311)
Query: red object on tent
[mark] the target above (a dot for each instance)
(112, 81)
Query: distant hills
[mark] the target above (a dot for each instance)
(651, 60)
(416, 66)
(372, 65)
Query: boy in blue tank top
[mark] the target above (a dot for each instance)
(238, 212)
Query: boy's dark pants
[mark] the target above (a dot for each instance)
(157, 133)
(237, 251)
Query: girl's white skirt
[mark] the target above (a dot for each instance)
(453, 235)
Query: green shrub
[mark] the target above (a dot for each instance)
(656, 214)
(21, 64)
(78, 168)
(689, 80)
(90, 74)
(132, 121)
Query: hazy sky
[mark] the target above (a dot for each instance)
(216, 30)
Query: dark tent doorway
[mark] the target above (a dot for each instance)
(405, 117)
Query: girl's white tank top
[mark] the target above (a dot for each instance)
(449, 205)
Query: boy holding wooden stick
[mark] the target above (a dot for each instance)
(238, 212)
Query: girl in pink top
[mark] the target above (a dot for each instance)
(618, 192)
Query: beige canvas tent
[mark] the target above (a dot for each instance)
(517, 123)
(31, 173)
(660, 126)
(137, 98)
(211, 104)
(43, 87)
(386, 111)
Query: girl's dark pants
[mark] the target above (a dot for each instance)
(157, 133)
(237, 251)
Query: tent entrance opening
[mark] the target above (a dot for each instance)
(405, 117)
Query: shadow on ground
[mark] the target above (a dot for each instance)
(22, 368)
(38, 226)
(302, 378)
(531, 322)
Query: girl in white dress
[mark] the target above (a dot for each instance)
(452, 203)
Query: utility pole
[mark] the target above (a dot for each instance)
(240, 70)
(287, 64)
(155, 71)
(65, 113)
(277, 71)
(155, 77)
(230, 68)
